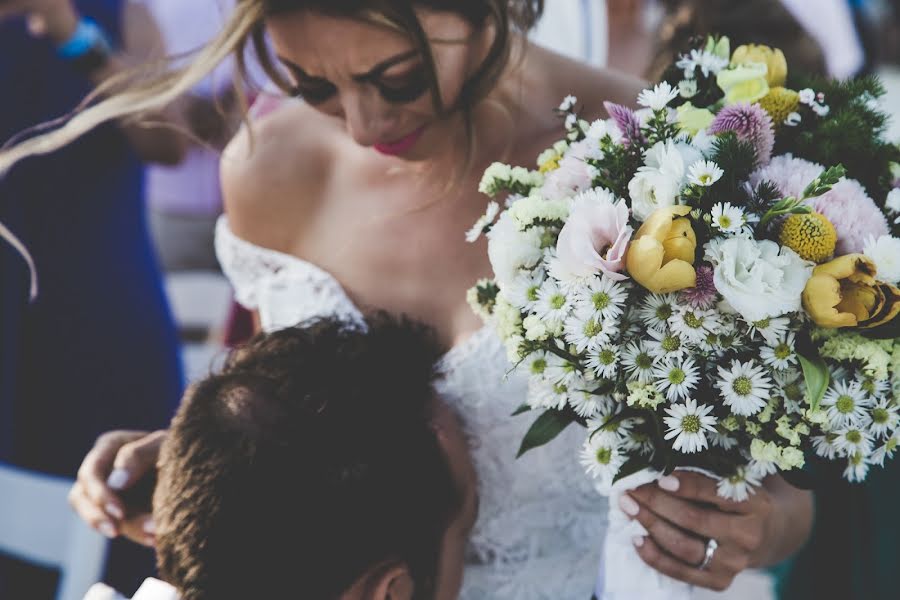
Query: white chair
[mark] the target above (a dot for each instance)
(37, 526)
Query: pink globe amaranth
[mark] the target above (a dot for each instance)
(595, 238)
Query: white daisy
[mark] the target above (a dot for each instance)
(666, 345)
(601, 461)
(845, 403)
(677, 379)
(561, 371)
(534, 364)
(493, 209)
(726, 442)
(739, 486)
(728, 218)
(688, 424)
(824, 446)
(704, 173)
(760, 469)
(586, 404)
(546, 394)
(638, 362)
(744, 387)
(780, 356)
(604, 361)
(709, 63)
(873, 387)
(772, 329)
(793, 389)
(886, 450)
(885, 253)
(850, 440)
(602, 295)
(659, 97)
(522, 291)
(553, 304)
(883, 418)
(606, 431)
(587, 331)
(656, 310)
(857, 468)
(694, 325)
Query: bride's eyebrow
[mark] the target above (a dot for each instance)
(373, 74)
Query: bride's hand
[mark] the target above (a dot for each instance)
(118, 465)
(682, 511)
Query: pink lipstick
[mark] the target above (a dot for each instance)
(402, 145)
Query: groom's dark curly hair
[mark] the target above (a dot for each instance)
(307, 461)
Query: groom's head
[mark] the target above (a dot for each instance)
(310, 468)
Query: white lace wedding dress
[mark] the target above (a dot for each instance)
(540, 527)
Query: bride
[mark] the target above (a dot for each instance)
(359, 198)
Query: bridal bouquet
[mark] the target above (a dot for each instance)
(707, 282)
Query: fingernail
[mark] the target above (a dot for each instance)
(638, 541)
(107, 529)
(114, 511)
(150, 526)
(117, 479)
(628, 505)
(669, 483)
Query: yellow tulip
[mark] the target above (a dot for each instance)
(743, 83)
(845, 293)
(692, 119)
(773, 58)
(661, 255)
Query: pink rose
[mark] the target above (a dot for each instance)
(595, 238)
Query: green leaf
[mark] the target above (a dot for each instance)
(632, 466)
(522, 410)
(816, 375)
(545, 429)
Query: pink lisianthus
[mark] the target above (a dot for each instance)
(573, 175)
(790, 175)
(594, 239)
(853, 213)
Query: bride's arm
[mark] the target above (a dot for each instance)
(683, 511)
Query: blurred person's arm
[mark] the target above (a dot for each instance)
(159, 137)
(830, 22)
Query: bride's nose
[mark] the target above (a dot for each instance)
(369, 119)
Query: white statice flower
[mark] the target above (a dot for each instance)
(677, 379)
(666, 345)
(561, 371)
(821, 109)
(495, 176)
(885, 253)
(846, 404)
(659, 97)
(824, 447)
(807, 96)
(694, 324)
(709, 63)
(656, 310)
(553, 303)
(587, 331)
(738, 486)
(745, 387)
(602, 295)
(568, 103)
(493, 209)
(638, 362)
(852, 440)
(604, 360)
(883, 417)
(658, 183)
(510, 249)
(536, 329)
(704, 173)
(780, 356)
(885, 450)
(772, 329)
(857, 468)
(758, 278)
(526, 211)
(601, 460)
(793, 119)
(571, 121)
(687, 88)
(688, 424)
(727, 218)
(522, 291)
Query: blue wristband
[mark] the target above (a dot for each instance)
(87, 37)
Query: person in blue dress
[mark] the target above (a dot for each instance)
(97, 348)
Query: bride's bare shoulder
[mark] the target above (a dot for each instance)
(277, 166)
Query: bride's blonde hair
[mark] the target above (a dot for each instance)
(136, 94)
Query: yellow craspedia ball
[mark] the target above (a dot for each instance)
(779, 103)
(812, 236)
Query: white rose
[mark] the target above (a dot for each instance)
(885, 253)
(759, 279)
(510, 249)
(658, 183)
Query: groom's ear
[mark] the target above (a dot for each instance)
(394, 582)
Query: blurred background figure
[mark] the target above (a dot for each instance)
(97, 349)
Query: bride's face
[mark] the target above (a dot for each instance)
(372, 78)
